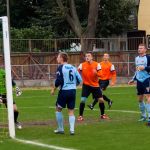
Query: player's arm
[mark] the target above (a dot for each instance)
(99, 71)
(80, 68)
(147, 68)
(113, 75)
(132, 80)
(58, 81)
(78, 78)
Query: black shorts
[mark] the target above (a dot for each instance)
(103, 84)
(143, 87)
(95, 91)
(4, 99)
(66, 97)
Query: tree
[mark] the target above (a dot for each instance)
(114, 17)
(73, 20)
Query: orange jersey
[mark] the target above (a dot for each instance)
(108, 71)
(90, 73)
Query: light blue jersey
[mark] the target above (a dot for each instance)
(67, 77)
(144, 74)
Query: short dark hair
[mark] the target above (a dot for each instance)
(64, 56)
(143, 44)
(89, 52)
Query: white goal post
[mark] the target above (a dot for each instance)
(6, 49)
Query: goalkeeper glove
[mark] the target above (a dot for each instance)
(18, 91)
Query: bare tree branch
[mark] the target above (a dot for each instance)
(75, 24)
(74, 14)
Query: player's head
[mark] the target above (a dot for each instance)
(106, 57)
(88, 56)
(62, 58)
(142, 49)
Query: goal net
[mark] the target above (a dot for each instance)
(6, 97)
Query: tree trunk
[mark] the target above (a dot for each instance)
(86, 41)
(73, 20)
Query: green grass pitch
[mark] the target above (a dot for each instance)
(122, 131)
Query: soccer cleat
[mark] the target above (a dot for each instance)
(148, 122)
(142, 119)
(110, 104)
(18, 125)
(104, 116)
(80, 118)
(58, 131)
(90, 106)
(71, 132)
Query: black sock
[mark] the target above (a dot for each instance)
(106, 98)
(16, 113)
(102, 108)
(82, 105)
(94, 102)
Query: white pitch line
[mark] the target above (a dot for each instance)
(42, 145)
(112, 110)
(125, 111)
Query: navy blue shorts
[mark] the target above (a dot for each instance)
(143, 87)
(95, 91)
(66, 97)
(103, 84)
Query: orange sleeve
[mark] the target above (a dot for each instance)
(113, 77)
(99, 73)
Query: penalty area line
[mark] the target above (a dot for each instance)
(42, 145)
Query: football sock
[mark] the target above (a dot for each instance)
(82, 105)
(59, 118)
(142, 108)
(148, 110)
(16, 113)
(72, 122)
(106, 98)
(102, 108)
(94, 102)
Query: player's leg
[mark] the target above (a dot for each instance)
(16, 114)
(91, 106)
(148, 107)
(84, 95)
(97, 94)
(104, 84)
(71, 121)
(71, 105)
(60, 104)
(147, 95)
(142, 106)
(59, 119)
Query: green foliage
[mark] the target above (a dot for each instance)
(35, 32)
(35, 16)
(114, 17)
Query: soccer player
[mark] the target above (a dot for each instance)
(109, 73)
(67, 79)
(3, 98)
(90, 71)
(142, 76)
